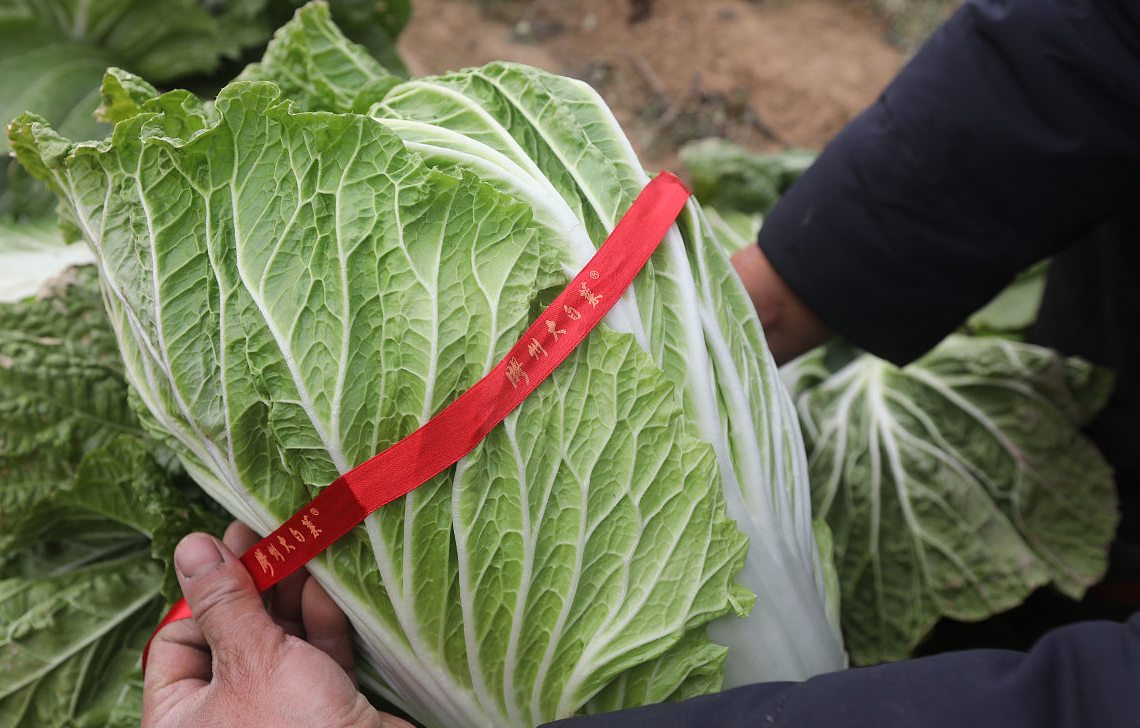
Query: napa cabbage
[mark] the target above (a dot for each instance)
(308, 268)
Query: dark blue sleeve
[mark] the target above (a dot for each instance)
(1083, 676)
(1014, 129)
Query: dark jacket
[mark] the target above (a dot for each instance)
(1011, 135)
(1087, 675)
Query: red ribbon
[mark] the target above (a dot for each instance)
(456, 430)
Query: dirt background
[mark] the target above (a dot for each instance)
(767, 75)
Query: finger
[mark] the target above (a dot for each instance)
(326, 627)
(239, 538)
(285, 603)
(178, 653)
(225, 602)
(285, 596)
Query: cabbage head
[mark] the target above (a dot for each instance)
(307, 269)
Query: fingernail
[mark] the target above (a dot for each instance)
(195, 554)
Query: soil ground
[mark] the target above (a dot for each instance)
(767, 75)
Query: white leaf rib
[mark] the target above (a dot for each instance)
(346, 306)
(510, 660)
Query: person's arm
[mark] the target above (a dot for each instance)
(790, 327)
(1011, 132)
(1084, 676)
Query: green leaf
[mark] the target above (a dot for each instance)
(158, 39)
(61, 390)
(42, 69)
(729, 177)
(693, 667)
(956, 485)
(81, 588)
(123, 95)
(82, 496)
(69, 638)
(370, 23)
(318, 68)
(1012, 312)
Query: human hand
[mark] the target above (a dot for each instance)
(236, 664)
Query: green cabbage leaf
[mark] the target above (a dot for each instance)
(90, 510)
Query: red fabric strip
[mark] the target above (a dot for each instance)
(456, 430)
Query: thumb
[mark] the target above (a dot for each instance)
(224, 600)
